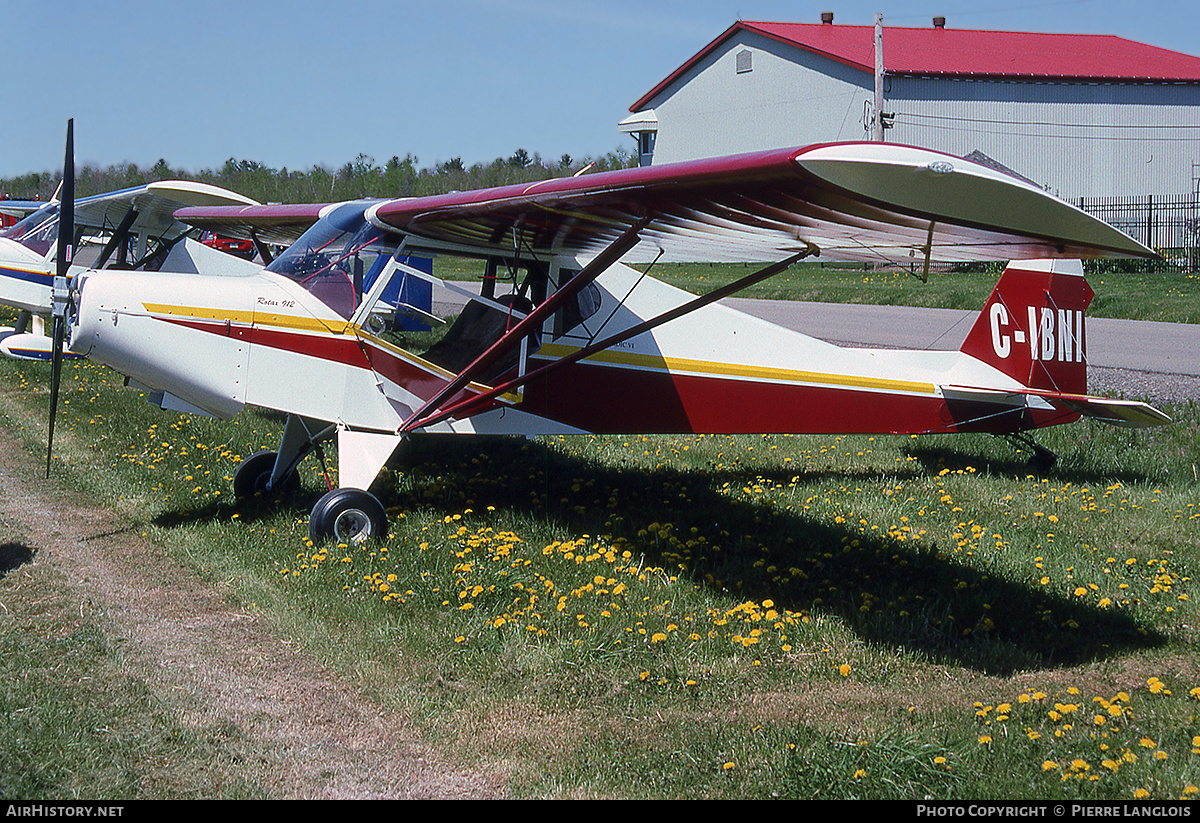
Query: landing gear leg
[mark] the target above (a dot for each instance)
(270, 471)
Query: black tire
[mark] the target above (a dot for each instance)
(348, 516)
(252, 475)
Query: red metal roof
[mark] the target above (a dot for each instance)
(970, 53)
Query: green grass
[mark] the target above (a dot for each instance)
(711, 616)
(76, 724)
(664, 616)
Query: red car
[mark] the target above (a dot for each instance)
(230, 245)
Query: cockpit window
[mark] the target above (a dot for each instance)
(38, 232)
(335, 257)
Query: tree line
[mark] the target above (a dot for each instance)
(361, 177)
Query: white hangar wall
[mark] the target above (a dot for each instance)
(784, 97)
(1077, 139)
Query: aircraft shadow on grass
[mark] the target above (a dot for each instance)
(13, 556)
(892, 593)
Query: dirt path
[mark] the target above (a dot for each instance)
(198, 653)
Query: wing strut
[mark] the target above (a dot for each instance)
(468, 406)
(531, 321)
(119, 236)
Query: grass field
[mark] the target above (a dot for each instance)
(656, 616)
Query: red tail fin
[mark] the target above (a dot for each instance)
(1032, 326)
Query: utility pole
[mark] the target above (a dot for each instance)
(877, 120)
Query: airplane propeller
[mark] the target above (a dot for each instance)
(66, 243)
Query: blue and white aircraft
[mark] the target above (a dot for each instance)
(131, 229)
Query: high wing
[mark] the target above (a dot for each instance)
(155, 205)
(19, 208)
(853, 201)
(277, 225)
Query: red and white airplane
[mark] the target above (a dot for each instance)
(580, 342)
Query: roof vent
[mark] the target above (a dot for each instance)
(939, 22)
(827, 18)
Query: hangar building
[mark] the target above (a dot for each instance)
(1096, 119)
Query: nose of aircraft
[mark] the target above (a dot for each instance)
(168, 332)
(79, 340)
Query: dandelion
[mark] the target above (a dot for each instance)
(1157, 686)
(844, 670)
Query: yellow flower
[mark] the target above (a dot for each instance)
(844, 670)
(984, 739)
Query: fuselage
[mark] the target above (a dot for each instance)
(219, 343)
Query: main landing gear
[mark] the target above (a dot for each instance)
(347, 515)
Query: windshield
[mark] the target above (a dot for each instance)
(335, 257)
(38, 231)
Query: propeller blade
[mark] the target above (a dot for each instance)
(66, 249)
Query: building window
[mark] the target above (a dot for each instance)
(645, 140)
(745, 61)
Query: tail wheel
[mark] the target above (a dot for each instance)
(348, 516)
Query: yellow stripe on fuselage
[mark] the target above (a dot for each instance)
(737, 370)
(262, 318)
(310, 324)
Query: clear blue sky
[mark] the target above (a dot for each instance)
(302, 83)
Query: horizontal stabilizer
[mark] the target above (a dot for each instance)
(1126, 413)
